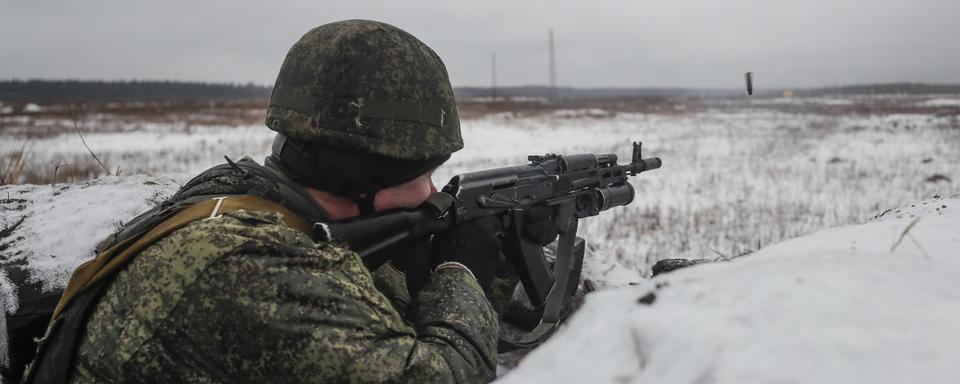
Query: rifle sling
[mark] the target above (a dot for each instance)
(553, 304)
(57, 348)
(110, 261)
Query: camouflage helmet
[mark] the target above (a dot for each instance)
(359, 106)
(368, 87)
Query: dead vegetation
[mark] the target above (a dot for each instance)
(16, 169)
(56, 119)
(12, 165)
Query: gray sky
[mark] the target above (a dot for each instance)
(684, 43)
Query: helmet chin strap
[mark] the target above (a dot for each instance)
(366, 203)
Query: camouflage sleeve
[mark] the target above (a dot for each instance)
(272, 312)
(452, 313)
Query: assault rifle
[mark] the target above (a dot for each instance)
(575, 186)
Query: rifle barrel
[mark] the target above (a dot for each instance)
(644, 165)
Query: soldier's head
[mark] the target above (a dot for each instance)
(360, 106)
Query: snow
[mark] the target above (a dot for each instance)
(831, 306)
(516, 99)
(841, 305)
(61, 225)
(731, 180)
(154, 148)
(734, 177)
(835, 101)
(941, 103)
(584, 112)
(8, 301)
(31, 108)
(64, 223)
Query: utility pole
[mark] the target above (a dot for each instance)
(553, 70)
(493, 76)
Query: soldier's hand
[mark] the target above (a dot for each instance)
(414, 261)
(474, 244)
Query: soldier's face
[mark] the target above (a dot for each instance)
(408, 195)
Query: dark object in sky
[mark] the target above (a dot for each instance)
(749, 77)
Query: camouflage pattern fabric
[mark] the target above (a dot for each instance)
(366, 86)
(244, 298)
(504, 285)
(393, 284)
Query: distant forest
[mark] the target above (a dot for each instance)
(586, 93)
(52, 91)
(877, 89)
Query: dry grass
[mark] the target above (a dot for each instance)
(12, 165)
(57, 119)
(15, 168)
(73, 119)
(88, 121)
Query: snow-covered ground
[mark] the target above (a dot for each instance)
(57, 227)
(732, 182)
(870, 303)
(833, 306)
(735, 177)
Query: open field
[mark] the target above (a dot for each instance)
(738, 174)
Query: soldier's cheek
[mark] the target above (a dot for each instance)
(409, 195)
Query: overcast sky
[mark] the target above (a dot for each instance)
(606, 43)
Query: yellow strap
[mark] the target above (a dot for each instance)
(111, 260)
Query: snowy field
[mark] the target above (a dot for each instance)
(855, 304)
(832, 305)
(737, 175)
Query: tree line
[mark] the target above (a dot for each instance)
(52, 91)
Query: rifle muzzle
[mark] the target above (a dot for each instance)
(644, 165)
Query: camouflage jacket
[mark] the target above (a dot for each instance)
(245, 298)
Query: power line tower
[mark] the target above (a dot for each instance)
(553, 70)
(493, 76)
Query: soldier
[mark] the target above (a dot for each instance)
(363, 113)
